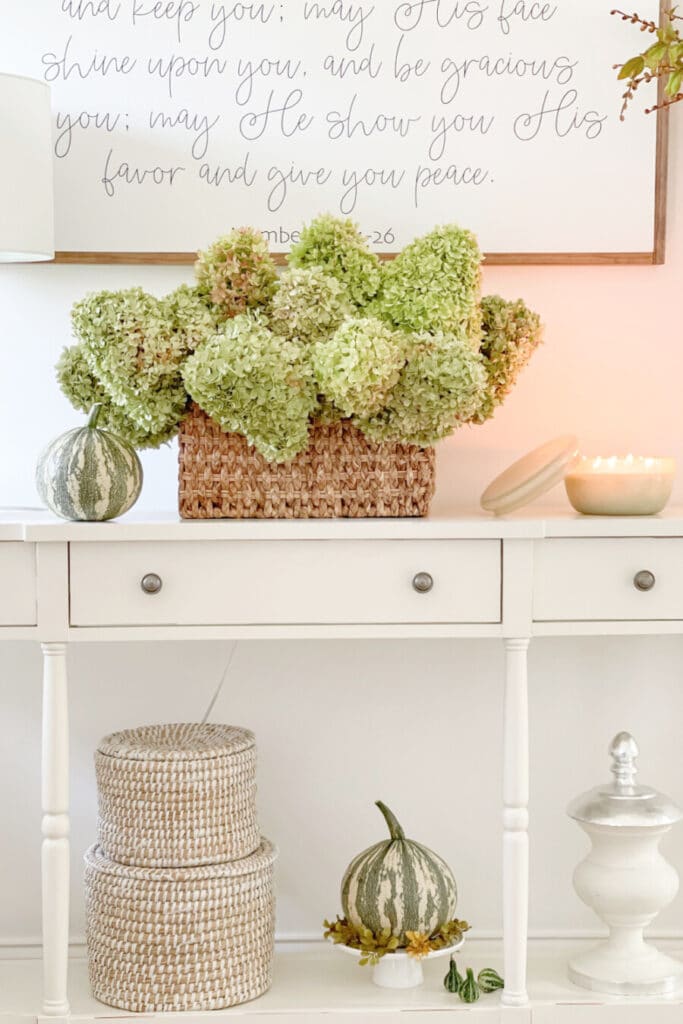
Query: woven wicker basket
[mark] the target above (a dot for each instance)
(177, 795)
(177, 939)
(340, 474)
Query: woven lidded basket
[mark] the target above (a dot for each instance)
(221, 476)
(177, 795)
(172, 939)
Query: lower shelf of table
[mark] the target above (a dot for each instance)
(321, 984)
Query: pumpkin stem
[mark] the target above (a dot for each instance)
(395, 830)
(94, 415)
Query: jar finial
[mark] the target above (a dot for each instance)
(624, 750)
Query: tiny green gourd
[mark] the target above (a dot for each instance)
(89, 474)
(469, 990)
(453, 979)
(489, 980)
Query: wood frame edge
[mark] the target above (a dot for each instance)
(500, 259)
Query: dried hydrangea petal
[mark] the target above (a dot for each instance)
(442, 386)
(357, 366)
(255, 383)
(308, 305)
(434, 284)
(512, 332)
(237, 273)
(338, 247)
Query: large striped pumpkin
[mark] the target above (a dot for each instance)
(398, 884)
(89, 474)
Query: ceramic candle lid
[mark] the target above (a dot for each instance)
(531, 476)
(622, 802)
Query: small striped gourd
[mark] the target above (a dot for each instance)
(89, 474)
(469, 990)
(489, 980)
(400, 885)
(453, 979)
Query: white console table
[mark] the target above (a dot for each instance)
(470, 576)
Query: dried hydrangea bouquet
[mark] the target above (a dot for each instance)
(318, 392)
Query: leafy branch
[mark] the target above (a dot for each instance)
(375, 945)
(663, 59)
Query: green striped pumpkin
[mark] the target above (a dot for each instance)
(398, 884)
(89, 474)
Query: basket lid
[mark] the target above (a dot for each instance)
(264, 855)
(195, 741)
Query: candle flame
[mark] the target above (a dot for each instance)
(622, 464)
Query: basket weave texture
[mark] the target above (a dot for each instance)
(179, 939)
(177, 795)
(340, 474)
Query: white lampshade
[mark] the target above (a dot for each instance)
(26, 203)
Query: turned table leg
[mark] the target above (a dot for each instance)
(55, 829)
(515, 823)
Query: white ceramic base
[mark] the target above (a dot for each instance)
(400, 970)
(650, 973)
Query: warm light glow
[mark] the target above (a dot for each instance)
(606, 465)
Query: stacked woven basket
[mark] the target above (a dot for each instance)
(179, 887)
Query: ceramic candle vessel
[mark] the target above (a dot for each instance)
(625, 880)
(629, 485)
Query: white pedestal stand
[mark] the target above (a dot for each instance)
(400, 970)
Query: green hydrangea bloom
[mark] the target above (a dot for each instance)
(440, 387)
(237, 273)
(338, 248)
(358, 365)
(422, 356)
(191, 319)
(255, 383)
(434, 285)
(512, 332)
(308, 304)
(83, 389)
(135, 350)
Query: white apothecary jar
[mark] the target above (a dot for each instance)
(625, 880)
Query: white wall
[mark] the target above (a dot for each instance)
(415, 723)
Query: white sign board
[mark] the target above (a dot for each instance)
(177, 119)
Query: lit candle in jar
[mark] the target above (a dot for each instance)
(620, 485)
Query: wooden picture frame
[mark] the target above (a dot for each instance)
(654, 257)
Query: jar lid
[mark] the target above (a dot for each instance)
(622, 803)
(530, 477)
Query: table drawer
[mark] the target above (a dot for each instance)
(264, 582)
(592, 579)
(17, 584)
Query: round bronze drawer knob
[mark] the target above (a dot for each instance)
(644, 580)
(151, 583)
(423, 582)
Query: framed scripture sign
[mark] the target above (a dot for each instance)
(175, 120)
